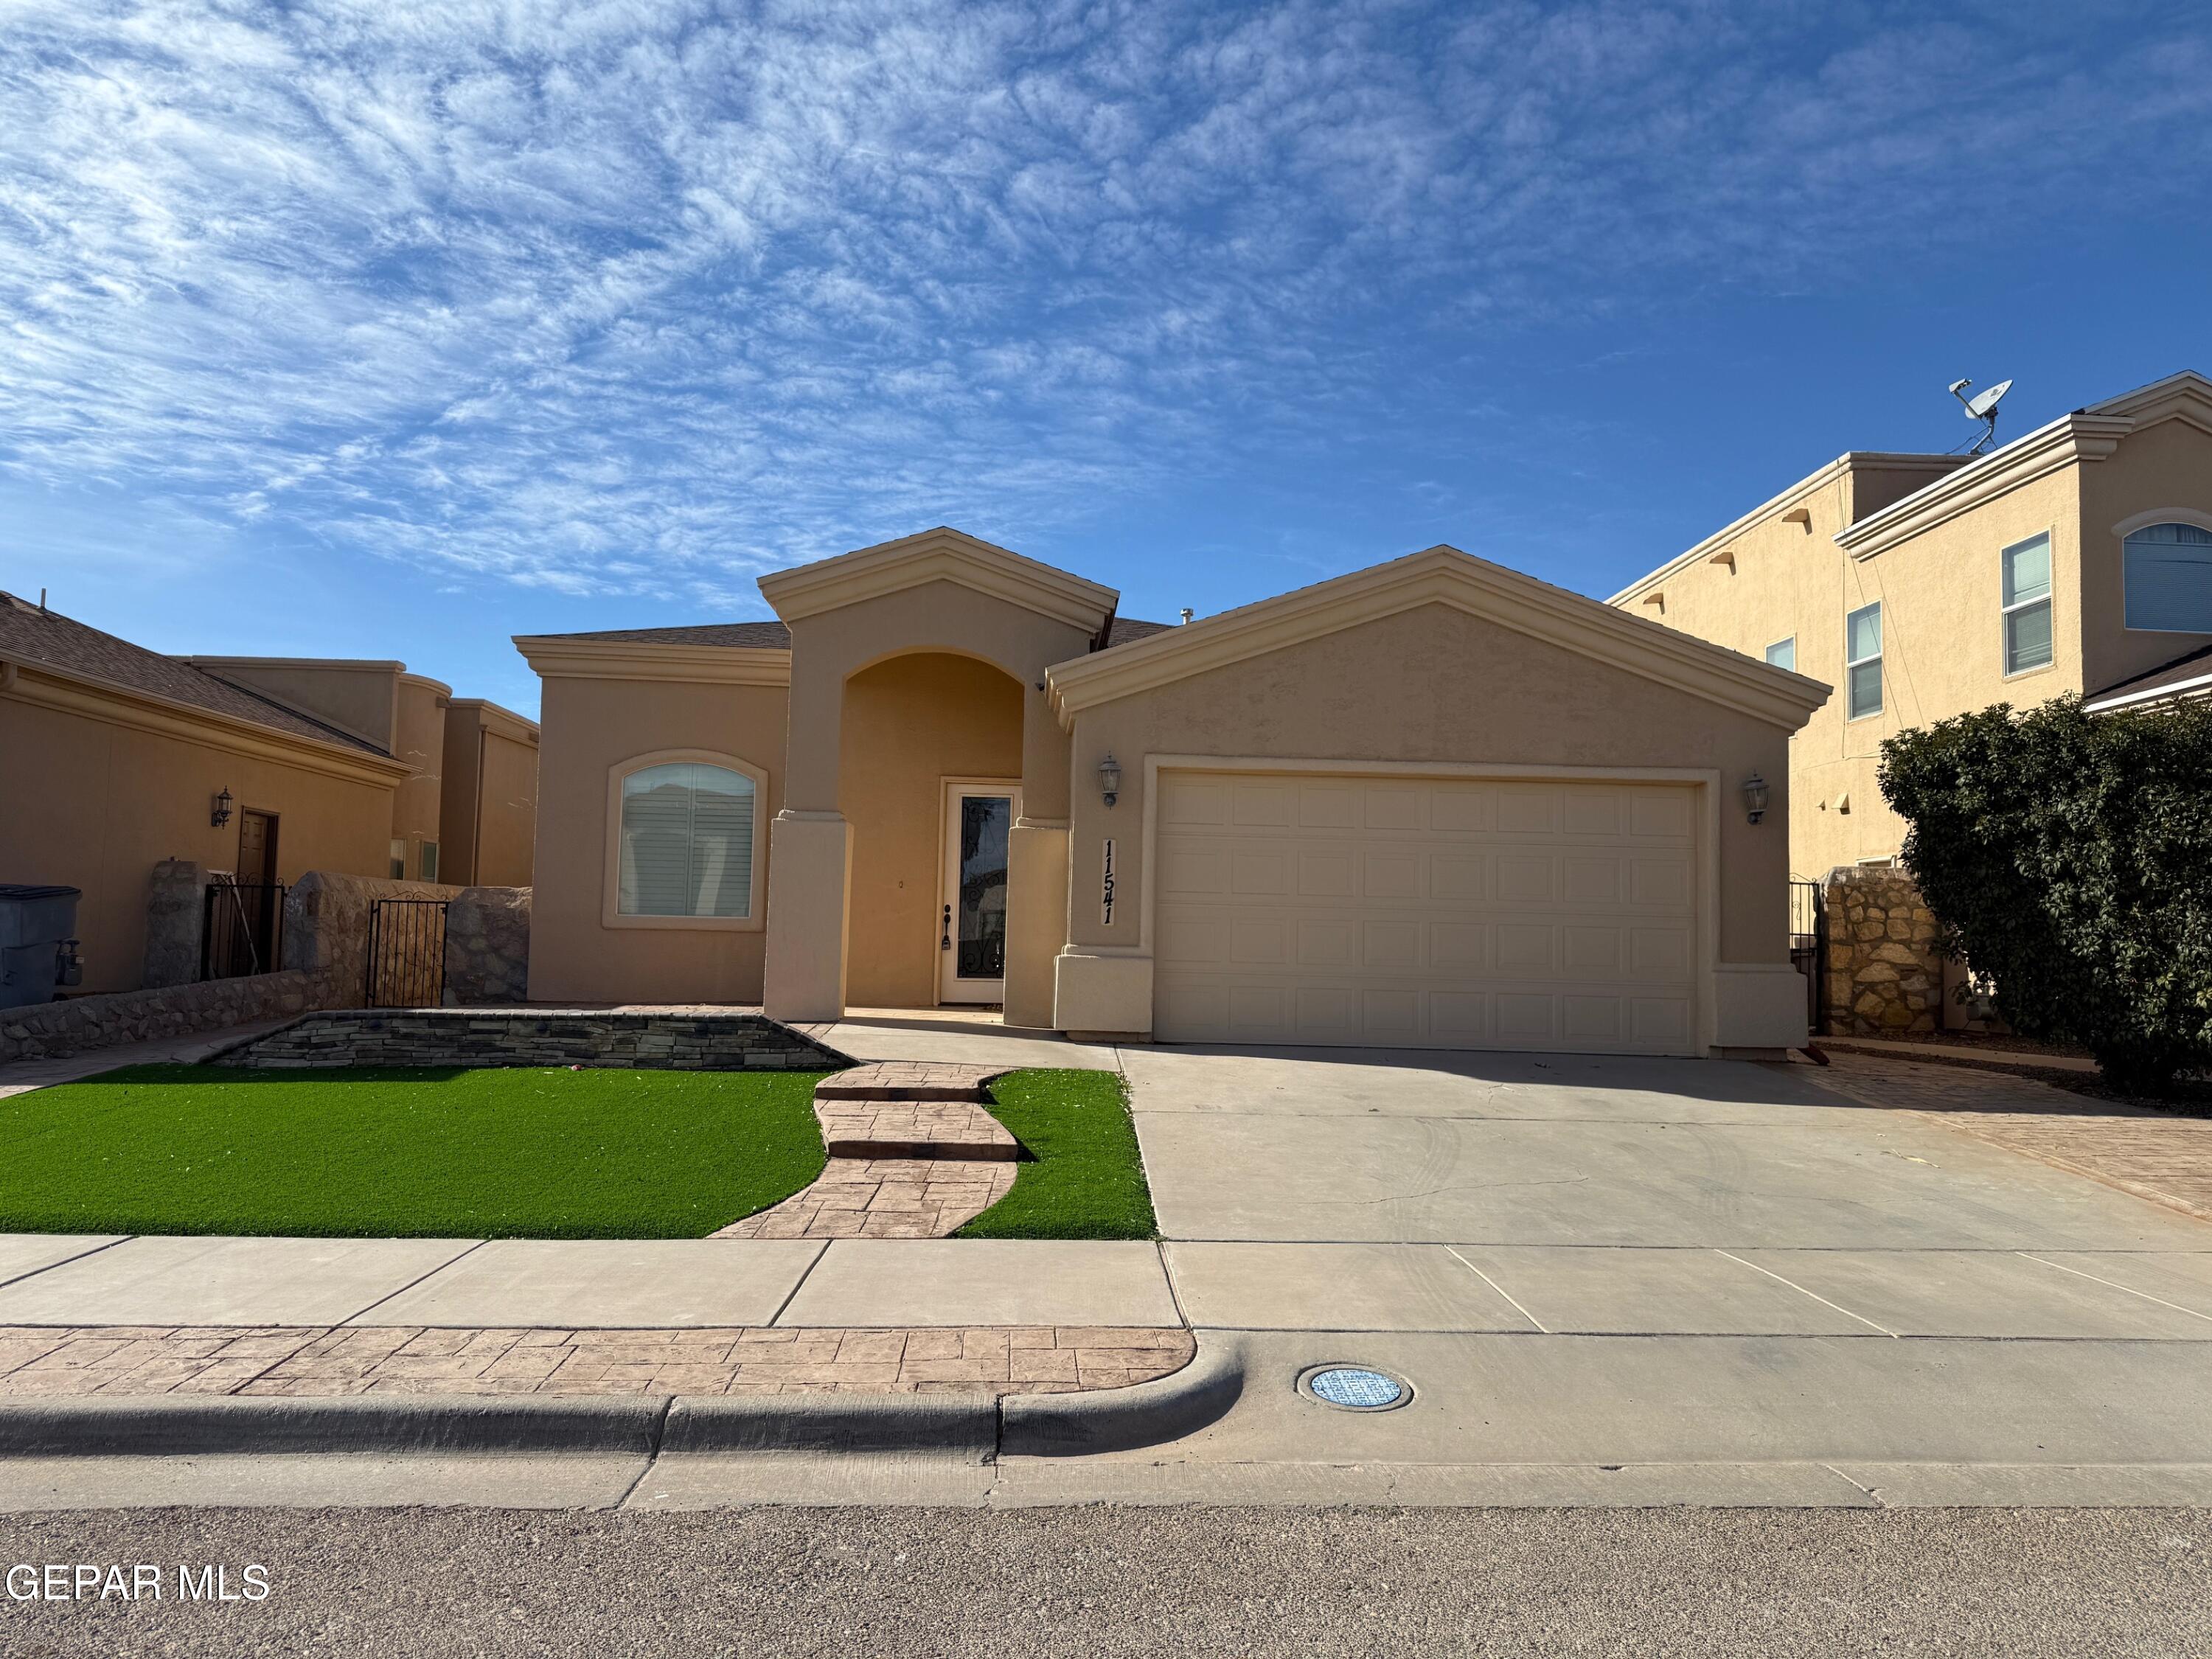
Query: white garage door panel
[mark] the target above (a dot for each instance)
(1445, 913)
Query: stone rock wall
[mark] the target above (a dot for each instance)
(176, 917)
(1883, 975)
(326, 924)
(488, 946)
(69, 1027)
(474, 1037)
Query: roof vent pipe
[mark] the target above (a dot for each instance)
(1187, 613)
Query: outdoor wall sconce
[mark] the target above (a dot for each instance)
(1110, 777)
(1755, 797)
(219, 814)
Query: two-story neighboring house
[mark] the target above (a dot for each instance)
(2077, 558)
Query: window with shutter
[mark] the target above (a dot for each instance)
(687, 841)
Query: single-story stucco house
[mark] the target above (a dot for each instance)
(1436, 803)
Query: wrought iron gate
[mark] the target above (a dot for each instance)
(1808, 941)
(242, 928)
(406, 954)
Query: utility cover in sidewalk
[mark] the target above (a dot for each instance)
(1355, 1388)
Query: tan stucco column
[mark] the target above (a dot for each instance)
(1037, 918)
(809, 852)
(1036, 864)
(810, 866)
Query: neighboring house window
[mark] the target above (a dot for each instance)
(399, 857)
(687, 841)
(1782, 654)
(2168, 578)
(1863, 659)
(429, 860)
(2028, 604)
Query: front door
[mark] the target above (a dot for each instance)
(257, 885)
(971, 943)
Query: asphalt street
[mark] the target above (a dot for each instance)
(898, 1582)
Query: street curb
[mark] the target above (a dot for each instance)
(1122, 1419)
(972, 1429)
(947, 1424)
(171, 1425)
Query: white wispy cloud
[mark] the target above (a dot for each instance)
(643, 297)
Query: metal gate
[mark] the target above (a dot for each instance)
(1808, 941)
(241, 929)
(406, 954)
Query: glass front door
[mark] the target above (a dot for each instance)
(971, 945)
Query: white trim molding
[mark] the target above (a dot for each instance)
(756, 916)
(557, 658)
(2188, 515)
(1440, 575)
(940, 555)
(2072, 439)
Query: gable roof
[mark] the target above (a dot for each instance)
(70, 646)
(1440, 575)
(940, 555)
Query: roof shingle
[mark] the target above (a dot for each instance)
(46, 636)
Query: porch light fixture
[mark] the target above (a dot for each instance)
(1755, 797)
(219, 814)
(1110, 777)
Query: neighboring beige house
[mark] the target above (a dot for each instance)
(1436, 803)
(439, 833)
(114, 758)
(2077, 558)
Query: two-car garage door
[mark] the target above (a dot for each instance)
(1419, 912)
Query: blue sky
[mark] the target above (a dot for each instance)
(390, 329)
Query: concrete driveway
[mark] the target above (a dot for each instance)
(1660, 1279)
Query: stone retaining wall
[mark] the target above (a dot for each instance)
(52, 1028)
(476, 1038)
(1883, 974)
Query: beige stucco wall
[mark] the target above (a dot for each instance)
(910, 724)
(1434, 683)
(419, 743)
(1942, 641)
(358, 696)
(94, 805)
(2163, 466)
(488, 808)
(589, 726)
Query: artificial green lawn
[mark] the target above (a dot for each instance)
(402, 1153)
(1088, 1181)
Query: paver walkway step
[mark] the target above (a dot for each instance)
(907, 1079)
(870, 1128)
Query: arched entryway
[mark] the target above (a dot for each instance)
(932, 745)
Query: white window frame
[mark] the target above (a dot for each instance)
(1790, 666)
(2190, 516)
(2048, 601)
(1881, 690)
(610, 912)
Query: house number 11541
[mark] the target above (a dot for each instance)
(1106, 887)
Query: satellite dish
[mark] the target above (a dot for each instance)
(1983, 407)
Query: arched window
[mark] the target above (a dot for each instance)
(686, 841)
(2168, 578)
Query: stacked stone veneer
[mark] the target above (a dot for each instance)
(52, 1028)
(477, 1037)
(1883, 975)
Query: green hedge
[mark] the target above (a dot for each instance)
(2069, 857)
